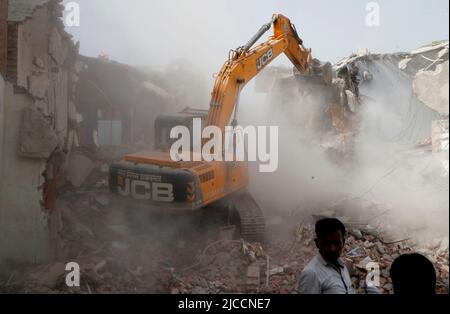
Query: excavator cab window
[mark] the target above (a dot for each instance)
(165, 123)
(163, 126)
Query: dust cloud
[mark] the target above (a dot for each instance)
(385, 180)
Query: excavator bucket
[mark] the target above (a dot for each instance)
(320, 73)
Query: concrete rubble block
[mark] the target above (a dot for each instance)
(276, 270)
(368, 245)
(362, 52)
(79, 168)
(39, 63)
(432, 88)
(102, 199)
(367, 76)
(443, 246)
(356, 252)
(440, 136)
(253, 276)
(356, 233)
(37, 138)
(380, 248)
(363, 263)
(402, 65)
(352, 101)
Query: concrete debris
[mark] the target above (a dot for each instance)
(100, 239)
(364, 262)
(37, 138)
(431, 87)
(367, 76)
(362, 52)
(356, 252)
(432, 47)
(277, 270)
(403, 63)
(253, 277)
(440, 136)
(356, 233)
(352, 101)
(39, 63)
(102, 199)
(80, 166)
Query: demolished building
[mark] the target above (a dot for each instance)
(37, 59)
(62, 116)
(412, 84)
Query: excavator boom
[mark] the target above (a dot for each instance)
(246, 62)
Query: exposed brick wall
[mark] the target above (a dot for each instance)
(12, 52)
(3, 35)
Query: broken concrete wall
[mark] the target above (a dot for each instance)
(432, 88)
(392, 109)
(23, 224)
(400, 94)
(42, 67)
(34, 128)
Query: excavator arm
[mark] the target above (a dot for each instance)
(246, 62)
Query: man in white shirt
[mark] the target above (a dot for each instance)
(326, 273)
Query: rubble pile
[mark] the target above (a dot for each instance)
(364, 246)
(117, 257)
(237, 266)
(276, 270)
(110, 259)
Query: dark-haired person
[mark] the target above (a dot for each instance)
(326, 273)
(413, 274)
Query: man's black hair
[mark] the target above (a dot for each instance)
(413, 273)
(329, 226)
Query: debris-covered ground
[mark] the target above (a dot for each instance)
(123, 252)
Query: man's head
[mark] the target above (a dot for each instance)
(413, 274)
(330, 234)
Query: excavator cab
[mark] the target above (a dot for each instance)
(165, 123)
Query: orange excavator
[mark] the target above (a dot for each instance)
(154, 181)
